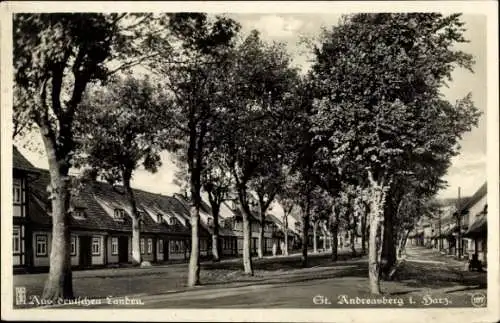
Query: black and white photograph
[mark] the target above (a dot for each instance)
(246, 156)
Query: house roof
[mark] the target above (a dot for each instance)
(98, 200)
(453, 202)
(478, 227)
(254, 217)
(19, 162)
(478, 195)
(280, 224)
(205, 213)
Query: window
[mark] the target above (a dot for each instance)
(160, 246)
(16, 240)
(114, 246)
(41, 245)
(210, 222)
(119, 214)
(173, 221)
(142, 246)
(96, 246)
(160, 218)
(17, 193)
(73, 246)
(150, 246)
(176, 246)
(78, 213)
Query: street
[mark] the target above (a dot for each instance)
(426, 279)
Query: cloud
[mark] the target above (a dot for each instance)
(276, 26)
(467, 163)
(468, 171)
(160, 182)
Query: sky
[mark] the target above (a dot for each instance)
(468, 170)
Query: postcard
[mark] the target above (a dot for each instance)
(250, 161)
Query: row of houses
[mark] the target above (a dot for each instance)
(459, 229)
(101, 225)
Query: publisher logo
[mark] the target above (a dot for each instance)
(478, 300)
(20, 295)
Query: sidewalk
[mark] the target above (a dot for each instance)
(436, 255)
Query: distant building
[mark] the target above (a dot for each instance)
(476, 222)
(459, 229)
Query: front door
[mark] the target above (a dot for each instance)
(122, 249)
(85, 251)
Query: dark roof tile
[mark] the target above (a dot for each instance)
(20, 162)
(97, 218)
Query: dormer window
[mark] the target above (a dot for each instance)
(78, 213)
(140, 215)
(173, 221)
(210, 222)
(119, 214)
(159, 218)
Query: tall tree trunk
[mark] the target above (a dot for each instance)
(215, 236)
(285, 220)
(59, 283)
(315, 237)
(402, 244)
(389, 246)
(261, 243)
(363, 233)
(305, 232)
(373, 264)
(136, 235)
(390, 236)
(376, 218)
(246, 213)
(194, 256)
(352, 241)
(247, 258)
(335, 237)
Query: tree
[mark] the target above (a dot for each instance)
(288, 206)
(321, 210)
(287, 197)
(252, 135)
(203, 46)
(217, 182)
(266, 188)
(119, 131)
(55, 57)
(303, 174)
(380, 76)
(349, 197)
